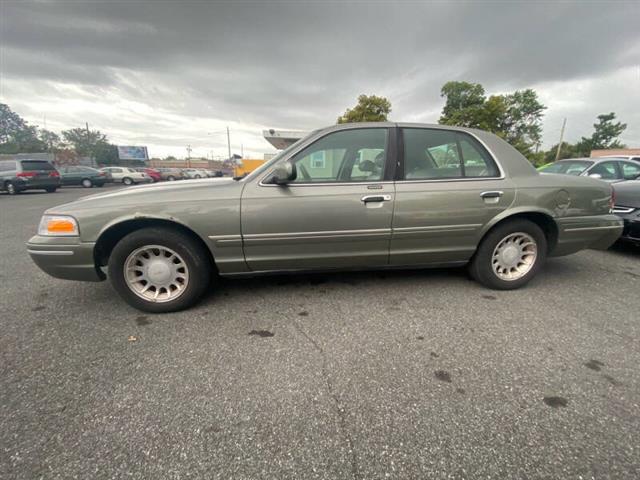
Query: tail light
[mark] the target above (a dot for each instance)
(102, 174)
(26, 174)
(54, 174)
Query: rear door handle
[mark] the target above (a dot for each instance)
(376, 198)
(492, 194)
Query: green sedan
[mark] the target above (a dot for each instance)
(351, 196)
(79, 175)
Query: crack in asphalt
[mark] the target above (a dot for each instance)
(339, 408)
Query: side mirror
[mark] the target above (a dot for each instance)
(595, 175)
(284, 173)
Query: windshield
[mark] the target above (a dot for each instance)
(265, 166)
(573, 167)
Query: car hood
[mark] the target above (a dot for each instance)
(155, 193)
(628, 193)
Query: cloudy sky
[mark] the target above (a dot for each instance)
(170, 73)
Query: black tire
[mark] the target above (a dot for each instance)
(51, 189)
(127, 181)
(171, 178)
(481, 266)
(86, 183)
(194, 255)
(10, 188)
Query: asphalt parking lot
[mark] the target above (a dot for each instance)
(404, 374)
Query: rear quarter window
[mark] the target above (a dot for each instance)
(7, 165)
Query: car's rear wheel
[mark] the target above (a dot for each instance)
(10, 188)
(510, 255)
(171, 178)
(127, 181)
(159, 270)
(87, 183)
(51, 189)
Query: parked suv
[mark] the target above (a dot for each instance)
(19, 175)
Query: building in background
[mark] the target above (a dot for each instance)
(281, 139)
(618, 152)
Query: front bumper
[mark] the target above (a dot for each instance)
(577, 233)
(66, 258)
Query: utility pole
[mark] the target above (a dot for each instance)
(88, 143)
(189, 155)
(564, 123)
(229, 143)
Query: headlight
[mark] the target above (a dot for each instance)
(58, 226)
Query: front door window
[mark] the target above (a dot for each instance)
(356, 155)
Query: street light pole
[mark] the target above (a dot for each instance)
(229, 143)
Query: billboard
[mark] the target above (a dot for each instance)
(132, 153)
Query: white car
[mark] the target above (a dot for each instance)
(126, 175)
(195, 173)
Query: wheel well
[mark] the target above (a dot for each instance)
(544, 221)
(109, 238)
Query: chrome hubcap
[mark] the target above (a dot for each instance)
(514, 256)
(156, 273)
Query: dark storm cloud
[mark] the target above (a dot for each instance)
(298, 65)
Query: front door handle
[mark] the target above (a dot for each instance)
(376, 198)
(492, 194)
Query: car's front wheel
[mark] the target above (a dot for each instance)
(10, 188)
(127, 181)
(159, 270)
(510, 255)
(87, 183)
(51, 189)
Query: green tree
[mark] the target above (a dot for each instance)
(370, 108)
(16, 135)
(464, 105)
(605, 134)
(106, 154)
(568, 150)
(521, 124)
(516, 117)
(50, 139)
(85, 142)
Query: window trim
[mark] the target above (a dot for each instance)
(389, 158)
(457, 133)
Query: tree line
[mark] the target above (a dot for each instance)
(17, 136)
(516, 117)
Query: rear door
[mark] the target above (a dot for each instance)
(449, 186)
(39, 171)
(335, 214)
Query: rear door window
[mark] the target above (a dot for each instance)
(431, 154)
(630, 171)
(606, 170)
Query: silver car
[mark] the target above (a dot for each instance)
(609, 169)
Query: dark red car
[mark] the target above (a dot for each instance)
(152, 173)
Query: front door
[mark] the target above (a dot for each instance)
(449, 188)
(336, 214)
